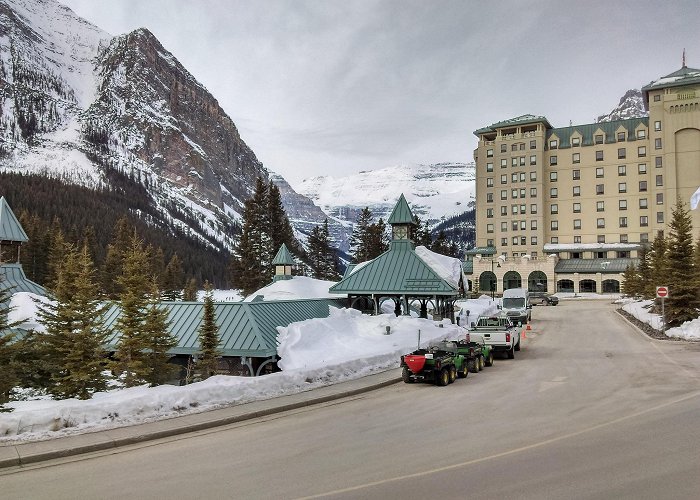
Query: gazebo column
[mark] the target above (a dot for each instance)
(397, 306)
(406, 307)
(424, 308)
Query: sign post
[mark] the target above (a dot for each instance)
(662, 293)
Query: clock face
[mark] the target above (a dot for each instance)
(400, 233)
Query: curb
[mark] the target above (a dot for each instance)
(22, 454)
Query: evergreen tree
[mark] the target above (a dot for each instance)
(57, 249)
(8, 373)
(174, 279)
(75, 335)
(114, 261)
(189, 294)
(208, 337)
(421, 234)
(159, 341)
(156, 264)
(322, 255)
(377, 239)
(130, 357)
(630, 283)
(281, 230)
(644, 272)
(658, 262)
(359, 240)
(441, 245)
(682, 303)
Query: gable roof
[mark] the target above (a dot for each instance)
(402, 212)
(588, 131)
(592, 266)
(518, 120)
(10, 228)
(283, 257)
(397, 271)
(245, 328)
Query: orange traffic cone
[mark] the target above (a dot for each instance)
(528, 326)
(523, 334)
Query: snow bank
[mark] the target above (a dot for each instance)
(690, 330)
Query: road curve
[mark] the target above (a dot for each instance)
(589, 408)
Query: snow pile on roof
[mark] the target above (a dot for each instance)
(299, 287)
(448, 268)
(221, 295)
(23, 308)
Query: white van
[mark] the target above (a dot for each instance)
(516, 305)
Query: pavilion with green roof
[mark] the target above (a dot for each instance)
(405, 274)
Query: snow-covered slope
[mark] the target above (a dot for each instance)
(631, 106)
(434, 191)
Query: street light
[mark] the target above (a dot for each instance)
(493, 283)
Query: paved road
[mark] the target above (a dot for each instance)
(590, 408)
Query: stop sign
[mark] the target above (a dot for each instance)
(662, 291)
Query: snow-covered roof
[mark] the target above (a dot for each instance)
(448, 268)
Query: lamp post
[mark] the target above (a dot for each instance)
(493, 283)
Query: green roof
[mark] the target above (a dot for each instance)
(14, 279)
(245, 328)
(283, 257)
(402, 213)
(398, 271)
(10, 228)
(592, 266)
(512, 122)
(684, 76)
(588, 131)
(481, 251)
(468, 267)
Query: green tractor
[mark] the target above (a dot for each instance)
(441, 364)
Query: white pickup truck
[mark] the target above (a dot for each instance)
(498, 332)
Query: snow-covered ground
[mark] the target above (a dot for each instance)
(690, 330)
(314, 353)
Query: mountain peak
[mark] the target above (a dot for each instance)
(631, 106)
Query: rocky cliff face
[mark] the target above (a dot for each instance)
(631, 106)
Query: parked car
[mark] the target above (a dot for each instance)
(543, 298)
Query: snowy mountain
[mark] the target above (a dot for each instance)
(631, 106)
(81, 105)
(435, 192)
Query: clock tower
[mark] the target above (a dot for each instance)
(402, 222)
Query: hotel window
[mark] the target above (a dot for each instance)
(514, 209)
(599, 155)
(599, 172)
(577, 190)
(554, 209)
(575, 141)
(489, 243)
(623, 254)
(515, 240)
(489, 182)
(601, 255)
(489, 197)
(622, 187)
(504, 194)
(489, 213)
(553, 144)
(660, 217)
(642, 151)
(533, 241)
(577, 208)
(522, 146)
(601, 238)
(657, 126)
(533, 160)
(489, 167)
(577, 239)
(657, 97)
(504, 210)
(514, 194)
(621, 170)
(620, 136)
(658, 162)
(643, 221)
(643, 203)
(533, 176)
(659, 198)
(533, 192)
(533, 208)
(624, 238)
(657, 143)
(489, 228)
(504, 242)
(644, 238)
(504, 148)
(553, 193)
(533, 225)
(523, 209)
(523, 225)
(554, 225)
(514, 161)
(641, 134)
(623, 221)
(622, 205)
(514, 224)
(522, 176)
(554, 240)
(600, 189)
(533, 144)
(577, 223)
(576, 158)
(642, 168)
(523, 240)
(504, 179)
(642, 186)
(504, 227)
(659, 180)
(621, 153)
(552, 177)
(489, 153)
(514, 147)
(599, 139)
(522, 192)
(522, 161)
(514, 177)
(576, 174)
(552, 160)
(504, 163)
(600, 206)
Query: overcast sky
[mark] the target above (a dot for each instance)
(331, 87)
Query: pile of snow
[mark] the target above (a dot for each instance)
(24, 309)
(690, 330)
(299, 287)
(448, 268)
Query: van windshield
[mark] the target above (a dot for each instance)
(513, 302)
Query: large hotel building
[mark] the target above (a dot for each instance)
(567, 209)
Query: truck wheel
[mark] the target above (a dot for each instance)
(489, 360)
(406, 375)
(453, 374)
(443, 377)
(517, 346)
(473, 365)
(511, 353)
